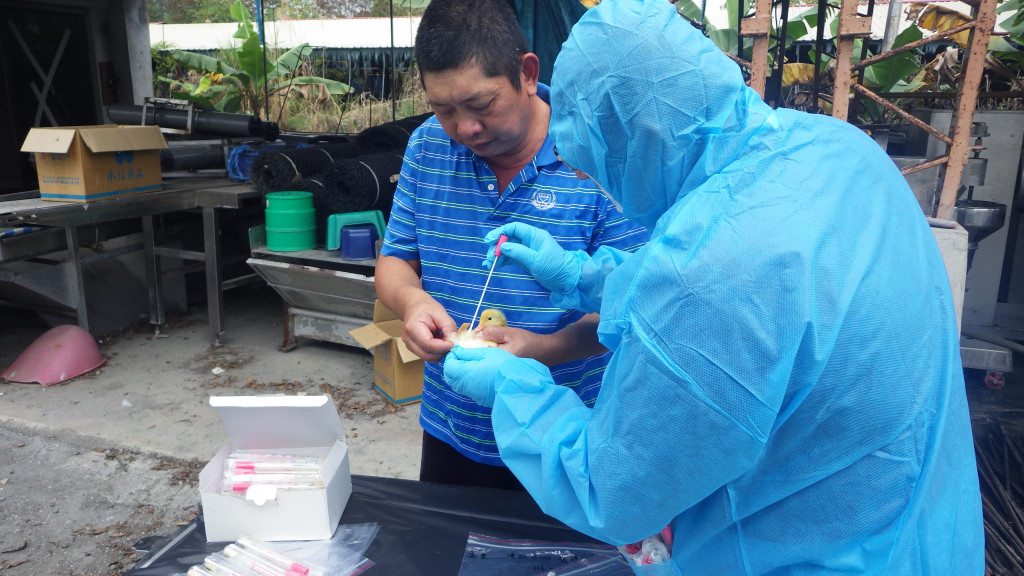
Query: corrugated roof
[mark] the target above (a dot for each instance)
(335, 33)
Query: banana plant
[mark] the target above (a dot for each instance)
(1004, 57)
(243, 79)
(897, 74)
(727, 39)
(1014, 27)
(893, 74)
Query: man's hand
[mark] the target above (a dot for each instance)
(574, 342)
(425, 322)
(522, 343)
(425, 325)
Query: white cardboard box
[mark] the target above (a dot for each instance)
(305, 425)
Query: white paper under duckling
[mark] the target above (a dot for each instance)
(471, 339)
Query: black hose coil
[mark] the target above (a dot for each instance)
(276, 170)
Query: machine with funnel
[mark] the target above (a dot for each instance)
(981, 219)
(975, 225)
(978, 349)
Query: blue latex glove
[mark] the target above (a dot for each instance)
(477, 372)
(552, 266)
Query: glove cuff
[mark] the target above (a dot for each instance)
(525, 375)
(574, 298)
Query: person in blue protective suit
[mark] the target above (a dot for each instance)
(785, 391)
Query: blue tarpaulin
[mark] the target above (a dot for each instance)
(546, 24)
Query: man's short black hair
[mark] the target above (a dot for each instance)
(453, 33)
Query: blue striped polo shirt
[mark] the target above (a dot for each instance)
(446, 200)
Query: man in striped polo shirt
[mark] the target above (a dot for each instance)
(483, 160)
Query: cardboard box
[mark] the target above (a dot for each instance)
(87, 163)
(397, 371)
(304, 425)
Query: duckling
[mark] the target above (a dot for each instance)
(489, 317)
(492, 317)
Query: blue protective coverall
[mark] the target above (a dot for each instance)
(786, 389)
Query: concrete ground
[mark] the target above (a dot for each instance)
(94, 465)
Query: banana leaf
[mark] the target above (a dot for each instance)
(797, 73)
(939, 19)
(333, 86)
(886, 74)
(202, 62)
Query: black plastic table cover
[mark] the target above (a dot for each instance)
(423, 527)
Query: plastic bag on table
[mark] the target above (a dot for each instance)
(653, 550)
(249, 557)
(342, 555)
(490, 556)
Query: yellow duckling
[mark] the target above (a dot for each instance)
(492, 317)
(467, 339)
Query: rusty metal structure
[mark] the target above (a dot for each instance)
(854, 25)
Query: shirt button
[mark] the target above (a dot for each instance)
(490, 186)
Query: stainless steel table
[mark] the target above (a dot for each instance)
(325, 295)
(210, 195)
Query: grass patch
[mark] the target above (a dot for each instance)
(313, 110)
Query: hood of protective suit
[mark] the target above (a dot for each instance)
(644, 144)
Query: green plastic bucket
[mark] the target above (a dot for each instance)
(291, 221)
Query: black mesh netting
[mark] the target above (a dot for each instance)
(314, 184)
(390, 135)
(277, 170)
(413, 122)
(358, 184)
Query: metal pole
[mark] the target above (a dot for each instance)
(819, 48)
(758, 27)
(892, 24)
(394, 101)
(263, 43)
(970, 80)
(851, 27)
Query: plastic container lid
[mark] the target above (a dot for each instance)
(289, 200)
(335, 222)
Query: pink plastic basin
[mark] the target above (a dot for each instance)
(60, 354)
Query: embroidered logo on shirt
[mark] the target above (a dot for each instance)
(543, 200)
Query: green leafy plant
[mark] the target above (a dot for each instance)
(244, 79)
(895, 74)
(163, 66)
(728, 39)
(1004, 58)
(725, 38)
